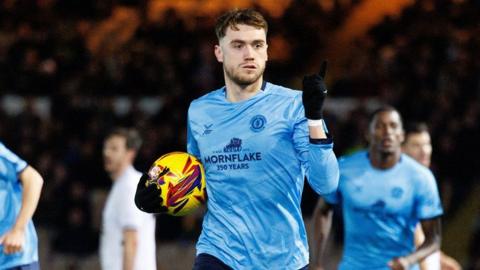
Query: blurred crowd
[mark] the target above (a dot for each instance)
(424, 62)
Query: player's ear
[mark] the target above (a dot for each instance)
(219, 53)
(266, 45)
(131, 154)
(367, 137)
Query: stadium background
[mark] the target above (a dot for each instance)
(72, 69)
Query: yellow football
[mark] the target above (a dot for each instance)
(180, 178)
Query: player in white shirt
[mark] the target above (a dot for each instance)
(128, 234)
(418, 145)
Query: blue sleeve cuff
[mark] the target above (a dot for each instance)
(328, 140)
(433, 217)
(22, 169)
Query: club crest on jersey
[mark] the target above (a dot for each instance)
(397, 192)
(257, 123)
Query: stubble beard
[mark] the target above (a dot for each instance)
(242, 80)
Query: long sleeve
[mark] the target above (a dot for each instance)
(323, 170)
(192, 146)
(317, 157)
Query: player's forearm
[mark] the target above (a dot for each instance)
(419, 237)
(428, 247)
(448, 262)
(322, 223)
(32, 185)
(129, 249)
(128, 260)
(432, 230)
(323, 173)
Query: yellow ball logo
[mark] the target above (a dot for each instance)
(180, 178)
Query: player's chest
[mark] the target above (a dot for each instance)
(236, 129)
(113, 203)
(381, 193)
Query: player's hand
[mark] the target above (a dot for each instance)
(147, 197)
(314, 93)
(13, 241)
(399, 263)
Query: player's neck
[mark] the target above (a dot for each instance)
(237, 93)
(383, 161)
(115, 175)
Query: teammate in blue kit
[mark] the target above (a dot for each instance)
(383, 194)
(257, 146)
(20, 188)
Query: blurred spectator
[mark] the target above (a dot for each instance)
(128, 234)
(427, 70)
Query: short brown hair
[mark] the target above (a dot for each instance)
(131, 135)
(234, 17)
(415, 128)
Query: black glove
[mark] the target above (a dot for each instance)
(147, 197)
(314, 93)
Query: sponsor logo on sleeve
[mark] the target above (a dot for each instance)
(207, 129)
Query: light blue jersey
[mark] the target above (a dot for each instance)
(10, 203)
(256, 153)
(381, 209)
